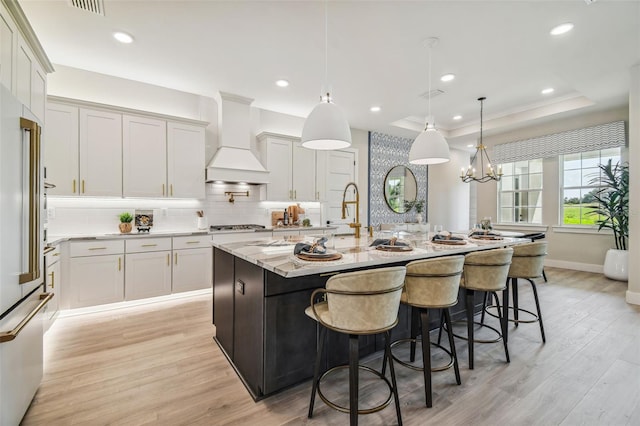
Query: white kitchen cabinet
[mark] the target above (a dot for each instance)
(8, 41)
(60, 142)
(192, 267)
(96, 273)
(100, 148)
(185, 160)
(144, 142)
(53, 281)
(147, 268)
(292, 169)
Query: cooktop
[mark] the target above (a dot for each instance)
(235, 227)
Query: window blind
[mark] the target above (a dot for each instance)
(610, 135)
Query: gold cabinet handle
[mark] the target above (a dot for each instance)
(295, 194)
(163, 189)
(192, 242)
(119, 264)
(74, 186)
(55, 254)
(83, 186)
(176, 258)
(53, 279)
(149, 245)
(168, 259)
(171, 189)
(97, 248)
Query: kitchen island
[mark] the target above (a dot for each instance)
(260, 292)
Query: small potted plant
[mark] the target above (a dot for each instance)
(125, 222)
(612, 211)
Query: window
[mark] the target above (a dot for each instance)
(520, 192)
(577, 173)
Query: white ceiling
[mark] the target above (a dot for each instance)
(376, 54)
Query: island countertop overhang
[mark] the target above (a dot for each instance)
(277, 255)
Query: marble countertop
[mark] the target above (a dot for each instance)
(53, 240)
(277, 255)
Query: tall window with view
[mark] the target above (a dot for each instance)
(520, 192)
(579, 171)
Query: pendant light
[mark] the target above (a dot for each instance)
(430, 147)
(478, 160)
(326, 127)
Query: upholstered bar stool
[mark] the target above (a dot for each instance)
(357, 304)
(431, 284)
(527, 263)
(486, 271)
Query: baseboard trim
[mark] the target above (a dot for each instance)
(633, 297)
(575, 266)
(131, 303)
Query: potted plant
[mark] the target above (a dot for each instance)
(612, 210)
(125, 222)
(419, 205)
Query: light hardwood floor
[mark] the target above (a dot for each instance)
(158, 365)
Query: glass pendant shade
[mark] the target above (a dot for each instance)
(326, 128)
(430, 147)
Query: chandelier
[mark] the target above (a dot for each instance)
(478, 161)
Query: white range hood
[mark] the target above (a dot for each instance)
(234, 161)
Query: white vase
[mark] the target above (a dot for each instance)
(419, 217)
(616, 265)
(202, 223)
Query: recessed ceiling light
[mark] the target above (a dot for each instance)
(282, 83)
(123, 37)
(470, 145)
(375, 109)
(562, 28)
(547, 90)
(457, 117)
(447, 77)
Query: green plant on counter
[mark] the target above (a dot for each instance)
(419, 204)
(125, 217)
(306, 222)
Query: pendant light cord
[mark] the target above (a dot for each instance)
(326, 49)
(429, 116)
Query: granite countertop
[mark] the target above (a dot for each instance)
(277, 255)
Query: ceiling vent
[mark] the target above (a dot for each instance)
(93, 6)
(433, 93)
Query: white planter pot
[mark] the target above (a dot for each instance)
(419, 217)
(616, 265)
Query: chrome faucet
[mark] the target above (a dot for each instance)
(355, 224)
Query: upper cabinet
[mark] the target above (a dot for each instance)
(144, 141)
(106, 153)
(83, 151)
(185, 160)
(292, 169)
(23, 63)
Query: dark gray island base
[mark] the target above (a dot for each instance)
(260, 322)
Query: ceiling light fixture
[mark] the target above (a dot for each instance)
(123, 37)
(326, 127)
(561, 29)
(282, 83)
(430, 147)
(547, 91)
(375, 109)
(480, 155)
(457, 117)
(447, 77)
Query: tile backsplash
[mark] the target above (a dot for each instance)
(85, 215)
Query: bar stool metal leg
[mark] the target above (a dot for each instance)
(353, 379)
(426, 356)
(504, 321)
(415, 331)
(469, 307)
(535, 296)
(387, 344)
(316, 370)
(514, 291)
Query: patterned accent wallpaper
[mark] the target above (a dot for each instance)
(386, 152)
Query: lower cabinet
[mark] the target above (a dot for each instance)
(147, 275)
(191, 269)
(53, 285)
(95, 280)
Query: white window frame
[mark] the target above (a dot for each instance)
(514, 191)
(561, 188)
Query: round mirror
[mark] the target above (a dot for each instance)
(400, 189)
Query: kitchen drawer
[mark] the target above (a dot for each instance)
(191, 242)
(96, 248)
(53, 256)
(142, 245)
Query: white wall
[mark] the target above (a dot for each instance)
(569, 250)
(633, 293)
(448, 196)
